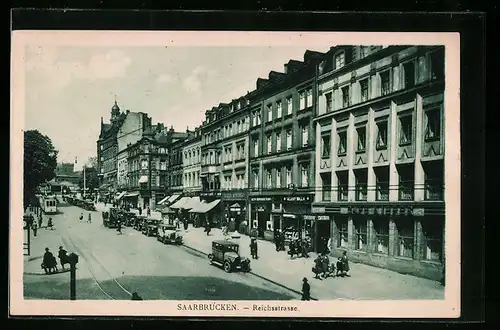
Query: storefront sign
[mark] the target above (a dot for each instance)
(310, 217)
(316, 209)
(323, 218)
(297, 199)
(261, 199)
(210, 194)
(238, 195)
(418, 212)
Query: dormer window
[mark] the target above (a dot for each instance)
(339, 60)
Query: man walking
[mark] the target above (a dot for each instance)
(306, 290)
(89, 220)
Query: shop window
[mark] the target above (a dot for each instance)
(432, 229)
(361, 184)
(363, 84)
(385, 82)
(346, 97)
(434, 180)
(409, 74)
(381, 229)
(343, 185)
(406, 182)
(361, 135)
(361, 234)
(405, 130)
(382, 182)
(329, 101)
(433, 124)
(405, 241)
(325, 145)
(381, 135)
(342, 146)
(326, 187)
(343, 234)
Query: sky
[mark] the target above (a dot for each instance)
(69, 89)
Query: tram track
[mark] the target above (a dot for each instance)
(114, 292)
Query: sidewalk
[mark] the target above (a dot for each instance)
(366, 282)
(45, 238)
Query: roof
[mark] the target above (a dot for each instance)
(224, 242)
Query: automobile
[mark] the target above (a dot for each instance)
(139, 221)
(169, 234)
(150, 226)
(225, 253)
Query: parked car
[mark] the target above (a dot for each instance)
(150, 227)
(139, 221)
(226, 254)
(168, 234)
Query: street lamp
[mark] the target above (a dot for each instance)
(73, 260)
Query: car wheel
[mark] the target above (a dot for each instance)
(227, 267)
(211, 258)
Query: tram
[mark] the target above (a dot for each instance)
(48, 204)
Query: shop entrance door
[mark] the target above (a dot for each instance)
(322, 235)
(261, 224)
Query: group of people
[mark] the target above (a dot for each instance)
(323, 268)
(89, 218)
(49, 263)
(36, 225)
(299, 247)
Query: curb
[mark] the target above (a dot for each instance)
(256, 275)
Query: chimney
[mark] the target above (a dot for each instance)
(285, 68)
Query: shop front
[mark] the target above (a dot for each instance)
(234, 204)
(209, 209)
(131, 199)
(262, 225)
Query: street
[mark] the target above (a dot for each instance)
(113, 266)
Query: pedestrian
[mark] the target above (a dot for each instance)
(63, 257)
(49, 262)
(253, 248)
(89, 220)
(343, 265)
(140, 210)
(306, 290)
(119, 227)
(81, 217)
(40, 220)
(185, 222)
(34, 227)
(148, 211)
(50, 225)
(176, 222)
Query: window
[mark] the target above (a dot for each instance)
(433, 128)
(346, 99)
(325, 145)
(302, 100)
(342, 185)
(289, 104)
(278, 178)
(432, 239)
(329, 101)
(304, 174)
(381, 229)
(341, 150)
(288, 176)
(405, 239)
(269, 176)
(437, 65)
(339, 60)
(254, 119)
(361, 133)
(309, 98)
(278, 142)
(361, 233)
(381, 135)
(278, 109)
(269, 112)
(256, 179)
(409, 74)
(364, 89)
(382, 182)
(405, 131)
(406, 181)
(256, 147)
(434, 180)
(385, 82)
(343, 233)
(361, 184)
(326, 187)
(144, 164)
(305, 136)
(163, 166)
(289, 139)
(269, 144)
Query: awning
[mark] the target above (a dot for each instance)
(192, 202)
(180, 203)
(205, 207)
(163, 200)
(143, 179)
(121, 195)
(173, 198)
(134, 194)
(167, 210)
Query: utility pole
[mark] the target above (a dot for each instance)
(84, 181)
(73, 260)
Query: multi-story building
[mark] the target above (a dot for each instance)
(175, 167)
(65, 172)
(107, 150)
(380, 160)
(192, 164)
(148, 168)
(281, 151)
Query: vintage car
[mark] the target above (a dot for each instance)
(150, 226)
(110, 218)
(168, 234)
(226, 254)
(139, 221)
(129, 218)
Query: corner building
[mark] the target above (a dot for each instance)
(380, 156)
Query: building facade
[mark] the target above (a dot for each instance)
(175, 168)
(65, 172)
(281, 151)
(380, 156)
(191, 167)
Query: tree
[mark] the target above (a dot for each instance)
(40, 162)
(92, 162)
(91, 178)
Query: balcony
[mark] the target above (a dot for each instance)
(209, 169)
